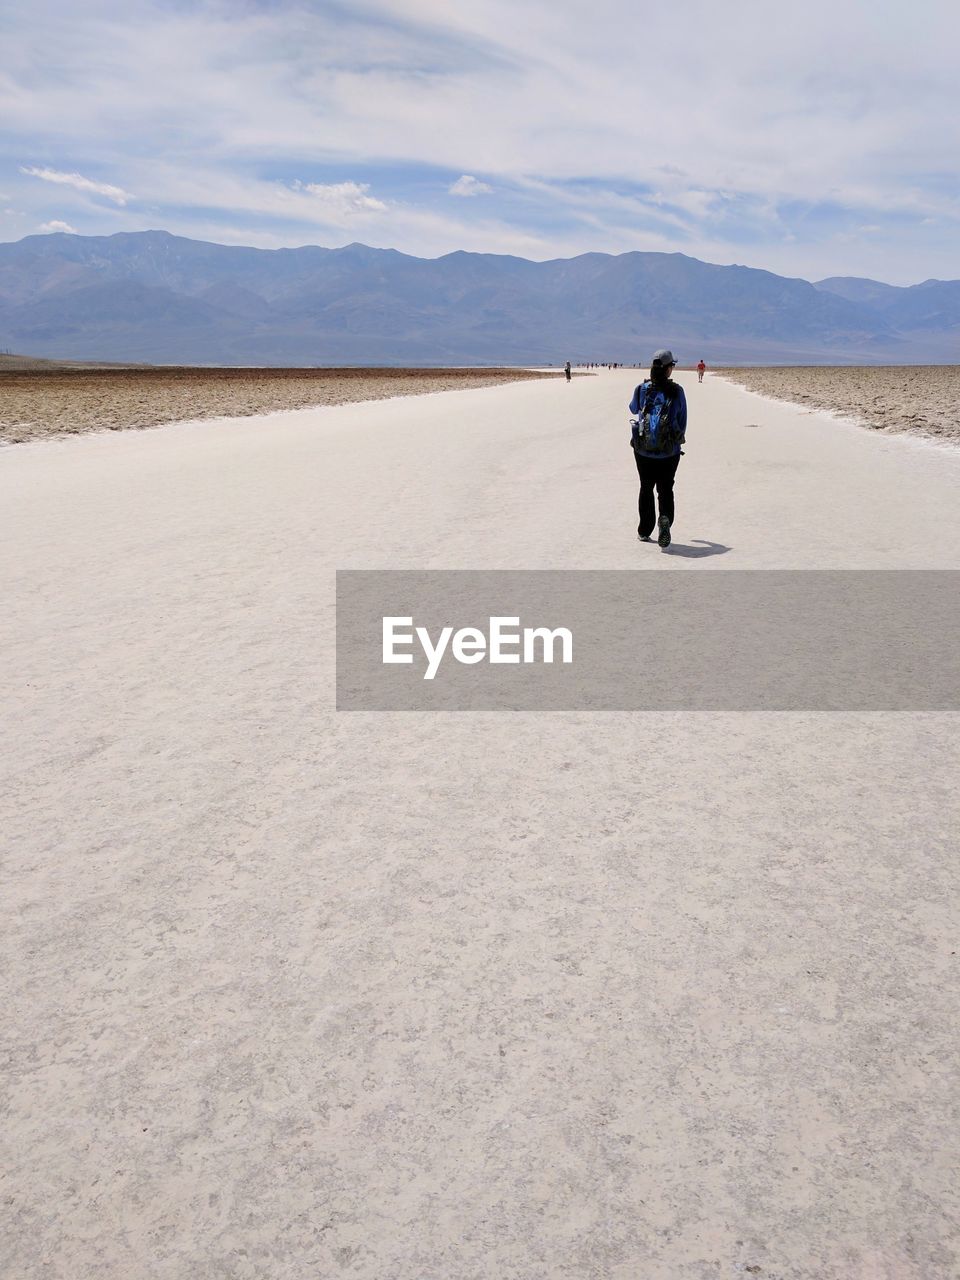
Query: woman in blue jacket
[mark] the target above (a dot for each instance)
(660, 409)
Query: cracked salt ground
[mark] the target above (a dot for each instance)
(915, 399)
(403, 996)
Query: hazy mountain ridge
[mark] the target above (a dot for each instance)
(158, 297)
(931, 305)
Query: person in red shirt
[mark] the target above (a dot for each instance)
(700, 371)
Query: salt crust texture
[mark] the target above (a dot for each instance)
(289, 993)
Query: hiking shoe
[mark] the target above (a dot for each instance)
(644, 537)
(664, 526)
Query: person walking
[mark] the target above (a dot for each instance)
(566, 370)
(660, 427)
(701, 369)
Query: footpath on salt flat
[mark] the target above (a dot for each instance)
(294, 993)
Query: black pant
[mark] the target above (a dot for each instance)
(655, 473)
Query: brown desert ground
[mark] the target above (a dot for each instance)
(919, 399)
(41, 398)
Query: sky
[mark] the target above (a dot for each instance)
(818, 140)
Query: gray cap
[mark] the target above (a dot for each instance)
(664, 357)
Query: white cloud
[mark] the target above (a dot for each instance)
(748, 132)
(466, 185)
(56, 225)
(275, 214)
(79, 183)
(341, 199)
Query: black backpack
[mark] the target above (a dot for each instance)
(657, 430)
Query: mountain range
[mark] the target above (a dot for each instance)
(155, 297)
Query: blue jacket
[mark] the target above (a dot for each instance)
(679, 411)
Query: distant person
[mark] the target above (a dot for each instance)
(660, 409)
(701, 370)
(566, 370)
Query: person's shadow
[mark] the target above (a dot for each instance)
(696, 553)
